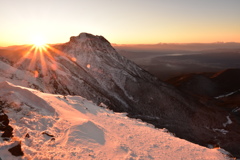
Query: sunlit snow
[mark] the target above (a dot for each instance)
(70, 127)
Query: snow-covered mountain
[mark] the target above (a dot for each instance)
(90, 67)
(50, 126)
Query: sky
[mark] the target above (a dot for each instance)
(121, 22)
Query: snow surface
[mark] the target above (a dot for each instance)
(229, 121)
(223, 131)
(236, 109)
(227, 95)
(70, 127)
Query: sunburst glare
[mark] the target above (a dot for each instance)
(39, 41)
(39, 58)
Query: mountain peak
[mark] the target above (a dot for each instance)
(83, 37)
(88, 43)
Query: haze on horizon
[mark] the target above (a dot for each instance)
(121, 22)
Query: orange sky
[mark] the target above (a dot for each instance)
(121, 22)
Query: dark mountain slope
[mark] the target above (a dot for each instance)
(196, 84)
(208, 84)
(228, 80)
(219, 89)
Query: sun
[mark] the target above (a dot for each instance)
(39, 41)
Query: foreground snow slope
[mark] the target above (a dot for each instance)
(70, 127)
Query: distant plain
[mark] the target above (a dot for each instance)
(169, 60)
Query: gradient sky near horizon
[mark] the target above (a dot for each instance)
(120, 21)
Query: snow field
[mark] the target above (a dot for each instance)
(70, 127)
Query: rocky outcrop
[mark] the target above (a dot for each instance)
(8, 131)
(16, 150)
(4, 124)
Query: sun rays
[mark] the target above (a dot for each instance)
(38, 62)
(42, 60)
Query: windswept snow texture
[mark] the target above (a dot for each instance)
(52, 126)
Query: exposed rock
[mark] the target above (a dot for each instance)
(8, 133)
(16, 150)
(3, 121)
(4, 124)
(27, 136)
(50, 135)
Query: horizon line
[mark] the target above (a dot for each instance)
(135, 44)
(217, 42)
